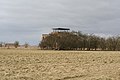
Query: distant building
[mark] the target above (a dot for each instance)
(9, 45)
(44, 36)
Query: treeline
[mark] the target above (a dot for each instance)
(15, 45)
(79, 41)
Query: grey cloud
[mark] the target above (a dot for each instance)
(19, 17)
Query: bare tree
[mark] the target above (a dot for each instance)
(16, 44)
(26, 45)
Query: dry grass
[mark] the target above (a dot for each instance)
(59, 65)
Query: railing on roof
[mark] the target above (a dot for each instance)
(60, 29)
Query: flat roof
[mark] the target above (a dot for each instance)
(61, 29)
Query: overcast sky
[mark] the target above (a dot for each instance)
(26, 20)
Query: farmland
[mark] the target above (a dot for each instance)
(59, 65)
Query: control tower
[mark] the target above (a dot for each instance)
(56, 31)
